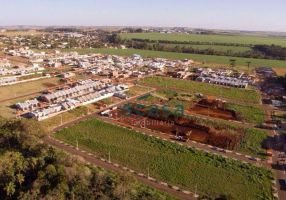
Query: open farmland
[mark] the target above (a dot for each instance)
(228, 39)
(233, 94)
(208, 60)
(170, 162)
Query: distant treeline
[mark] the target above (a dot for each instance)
(257, 51)
(271, 51)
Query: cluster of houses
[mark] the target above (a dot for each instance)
(24, 52)
(21, 70)
(4, 81)
(54, 40)
(115, 66)
(224, 77)
(10, 74)
(79, 94)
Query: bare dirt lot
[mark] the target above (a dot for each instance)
(212, 112)
(183, 127)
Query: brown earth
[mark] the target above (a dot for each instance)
(212, 112)
(178, 126)
(47, 84)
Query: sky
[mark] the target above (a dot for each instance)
(255, 15)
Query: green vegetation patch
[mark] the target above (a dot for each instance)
(213, 176)
(235, 94)
(251, 114)
(211, 38)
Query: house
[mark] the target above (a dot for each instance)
(28, 105)
(67, 75)
(45, 112)
(8, 81)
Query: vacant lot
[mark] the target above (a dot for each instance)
(207, 60)
(251, 114)
(170, 162)
(14, 91)
(229, 39)
(233, 94)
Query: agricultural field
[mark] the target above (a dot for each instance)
(172, 163)
(230, 39)
(246, 96)
(206, 60)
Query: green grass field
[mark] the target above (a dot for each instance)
(208, 60)
(222, 48)
(251, 114)
(233, 94)
(238, 39)
(212, 175)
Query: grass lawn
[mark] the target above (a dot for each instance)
(233, 94)
(238, 39)
(207, 60)
(251, 114)
(212, 175)
(55, 121)
(137, 90)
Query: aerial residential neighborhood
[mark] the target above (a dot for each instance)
(133, 100)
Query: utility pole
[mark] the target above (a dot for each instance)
(109, 160)
(196, 191)
(148, 172)
(76, 144)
